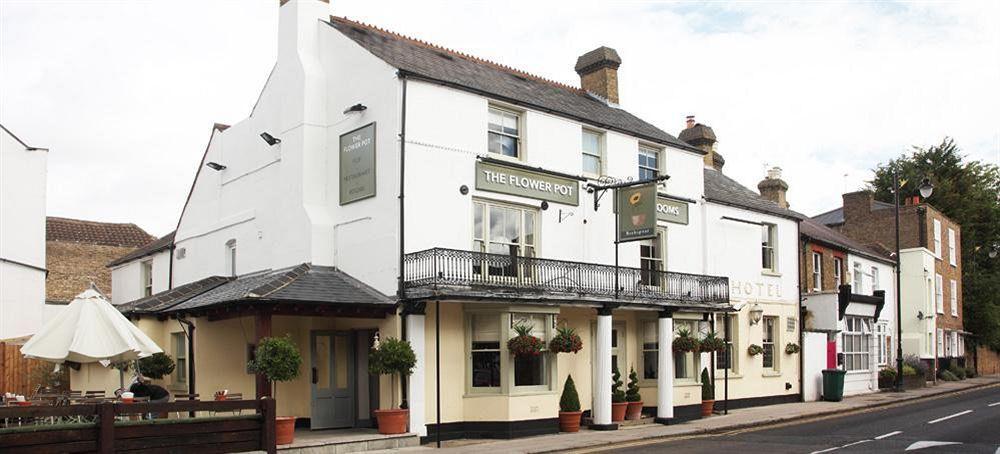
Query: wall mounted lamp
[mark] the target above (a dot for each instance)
(756, 313)
(271, 140)
(215, 166)
(355, 108)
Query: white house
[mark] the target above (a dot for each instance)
(23, 173)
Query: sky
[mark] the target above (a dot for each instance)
(124, 93)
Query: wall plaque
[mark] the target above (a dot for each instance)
(357, 164)
(526, 183)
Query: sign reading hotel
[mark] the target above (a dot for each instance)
(526, 183)
(671, 210)
(636, 209)
(357, 164)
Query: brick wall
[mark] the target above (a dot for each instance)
(826, 271)
(73, 266)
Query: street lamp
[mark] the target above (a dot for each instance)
(926, 189)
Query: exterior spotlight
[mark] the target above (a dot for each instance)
(355, 108)
(215, 166)
(926, 188)
(756, 313)
(271, 140)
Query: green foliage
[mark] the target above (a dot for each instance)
(524, 344)
(712, 343)
(617, 395)
(685, 342)
(946, 375)
(970, 372)
(632, 391)
(918, 366)
(566, 341)
(570, 400)
(754, 350)
(909, 371)
(707, 387)
(965, 191)
(157, 365)
(792, 348)
(392, 357)
(957, 371)
(276, 358)
(888, 373)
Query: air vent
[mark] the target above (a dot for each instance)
(181, 253)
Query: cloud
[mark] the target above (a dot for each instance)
(125, 93)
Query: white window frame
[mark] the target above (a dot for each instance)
(940, 342)
(656, 153)
(505, 320)
(773, 343)
(692, 360)
(882, 339)
(769, 247)
(952, 252)
(654, 279)
(599, 155)
(733, 345)
(526, 246)
(504, 112)
(937, 239)
(939, 293)
(147, 277)
(953, 297)
(179, 344)
(855, 344)
(838, 272)
(231, 258)
(876, 284)
(859, 279)
(817, 271)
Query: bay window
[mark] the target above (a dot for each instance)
(485, 349)
(728, 358)
(531, 370)
(491, 368)
(856, 343)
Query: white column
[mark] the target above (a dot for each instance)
(601, 410)
(416, 390)
(665, 368)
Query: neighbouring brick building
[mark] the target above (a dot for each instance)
(931, 272)
(78, 251)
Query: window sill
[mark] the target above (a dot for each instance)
(721, 375)
(770, 273)
(771, 374)
(860, 372)
(499, 393)
(685, 383)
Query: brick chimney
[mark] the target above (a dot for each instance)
(857, 204)
(773, 188)
(598, 70)
(702, 137)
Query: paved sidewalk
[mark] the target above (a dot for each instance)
(735, 420)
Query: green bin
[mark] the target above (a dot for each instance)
(833, 384)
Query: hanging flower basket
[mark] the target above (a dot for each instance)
(566, 341)
(754, 350)
(712, 343)
(792, 348)
(524, 344)
(685, 343)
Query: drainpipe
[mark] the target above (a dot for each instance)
(190, 356)
(400, 291)
(802, 318)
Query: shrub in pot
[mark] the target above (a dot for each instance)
(569, 407)
(278, 359)
(157, 365)
(618, 403)
(712, 343)
(685, 342)
(565, 341)
(754, 350)
(632, 396)
(524, 344)
(392, 357)
(914, 372)
(886, 378)
(707, 394)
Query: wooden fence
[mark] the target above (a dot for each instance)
(16, 370)
(100, 428)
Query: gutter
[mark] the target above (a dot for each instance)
(802, 320)
(33, 267)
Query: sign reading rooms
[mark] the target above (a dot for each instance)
(526, 183)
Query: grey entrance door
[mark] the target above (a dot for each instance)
(333, 378)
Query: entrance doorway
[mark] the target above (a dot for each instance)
(343, 393)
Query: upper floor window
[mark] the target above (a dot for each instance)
(652, 259)
(859, 278)
(231, 257)
(953, 298)
(505, 230)
(649, 163)
(504, 132)
(769, 242)
(876, 285)
(593, 160)
(952, 252)
(937, 238)
(939, 293)
(838, 272)
(147, 278)
(817, 271)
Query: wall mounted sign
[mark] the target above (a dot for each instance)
(526, 183)
(671, 210)
(636, 209)
(357, 164)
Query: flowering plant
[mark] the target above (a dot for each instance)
(712, 343)
(525, 344)
(685, 342)
(566, 341)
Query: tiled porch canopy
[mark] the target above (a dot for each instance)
(441, 274)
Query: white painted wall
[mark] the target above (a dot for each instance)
(23, 174)
(917, 291)
(127, 282)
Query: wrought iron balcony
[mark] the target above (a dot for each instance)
(443, 273)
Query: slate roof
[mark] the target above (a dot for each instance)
(305, 283)
(836, 215)
(149, 248)
(92, 232)
(727, 191)
(477, 75)
(819, 232)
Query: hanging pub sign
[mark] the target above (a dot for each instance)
(671, 210)
(357, 164)
(636, 210)
(526, 183)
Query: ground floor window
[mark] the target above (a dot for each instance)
(726, 359)
(532, 370)
(180, 354)
(884, 340)
(856, 343)
(650, 349)
(485, 349)
(686, 364)
(491, 367)
(770, 339)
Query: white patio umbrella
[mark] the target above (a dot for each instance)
(89, 330)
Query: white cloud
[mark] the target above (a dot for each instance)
(125, 93)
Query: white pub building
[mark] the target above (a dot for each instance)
(384, 184)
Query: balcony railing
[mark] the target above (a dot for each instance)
(451, 271)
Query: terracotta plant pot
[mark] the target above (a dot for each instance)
(618, 411)
(569, 421)
(706, 408)
(284, 430)
(634, 410)
(393, 421)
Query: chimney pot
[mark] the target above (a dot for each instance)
(598, 70)
(690, 122)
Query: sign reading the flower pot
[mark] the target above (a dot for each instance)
(357, 164)
(636, 209)
(527, 183)
(671, 210)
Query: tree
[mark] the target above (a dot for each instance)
(968, 192)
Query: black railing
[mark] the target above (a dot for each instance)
(457, 269)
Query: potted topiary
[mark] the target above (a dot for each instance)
(618, 403)
(754, 350)
(685, 342)
(524, 344)
(278, 359)
(565, 341)
(707, 394)
(569, 407)
(633, 397)
(712, 343)
(392, 357)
